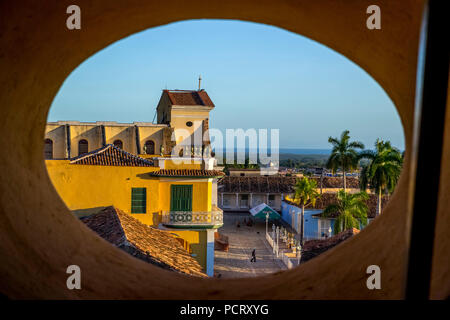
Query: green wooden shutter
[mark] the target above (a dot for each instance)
(138, 200)
(181, 198)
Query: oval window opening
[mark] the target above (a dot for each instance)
(274, 150)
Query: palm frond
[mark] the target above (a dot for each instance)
(331, 210)
(356, 144)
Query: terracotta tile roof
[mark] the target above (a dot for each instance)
(189, 98)
(313, 248)
(143, 242)
(111, 155)
(187, 173)
(277, 184)
(337, 182)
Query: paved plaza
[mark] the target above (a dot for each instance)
(236, 262)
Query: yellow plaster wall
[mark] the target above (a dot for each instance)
(197, 241)
(57, 134)
(184, 163)
(201, 193)
(179, 118)
(179, 163)
(91, 133)
(84, 187)
(124, 133)
(87, 189)
(151, 133)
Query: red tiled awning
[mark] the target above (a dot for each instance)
(189, 173)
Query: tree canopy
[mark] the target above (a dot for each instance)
(350, 210)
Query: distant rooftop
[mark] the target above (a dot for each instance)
(189, 98)
(275, 184)
(107, 123)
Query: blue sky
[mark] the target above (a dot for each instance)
(258, 77)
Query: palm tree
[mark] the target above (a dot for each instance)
(383, 171)
(350, 210)
(344, 154)
(305, 194)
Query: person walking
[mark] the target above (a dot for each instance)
(253, 259)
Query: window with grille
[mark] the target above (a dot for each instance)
(138, 200)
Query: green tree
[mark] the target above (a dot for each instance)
(350, 210)
(344, 154)
(305, 194)
(382, 172)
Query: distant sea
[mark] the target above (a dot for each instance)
(292, 151)
(304, 151)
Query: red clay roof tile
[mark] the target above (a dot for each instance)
(187, 173)
(276, 184)
(189, 98)
(143, 242)
(111, 155)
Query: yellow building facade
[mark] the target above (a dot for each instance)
(132, 167)
(182, 121)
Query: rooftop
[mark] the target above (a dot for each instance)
(275, 184)
(187, 173)
(143, 242)
(111, 155)
(189, 98)
(107, 123)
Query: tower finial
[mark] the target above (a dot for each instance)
(199, 82)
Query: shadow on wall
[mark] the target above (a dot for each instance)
(147, 176)
(199, 250)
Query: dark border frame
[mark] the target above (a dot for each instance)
(430, 111)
